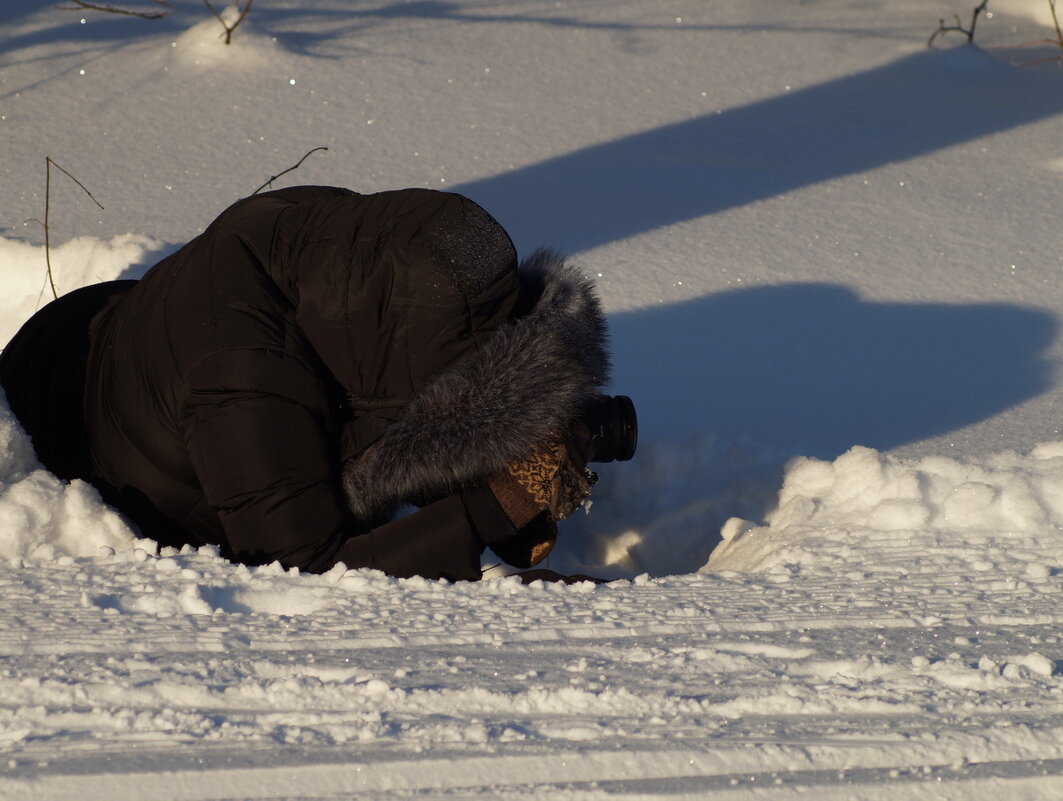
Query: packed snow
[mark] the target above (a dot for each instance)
(831, 260)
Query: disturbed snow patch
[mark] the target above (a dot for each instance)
(41, 517)
(869, 511)
(661, 513)
(200, 582)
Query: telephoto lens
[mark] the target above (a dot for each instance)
(614, 428)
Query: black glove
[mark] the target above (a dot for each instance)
(528, 576)
(529, 546)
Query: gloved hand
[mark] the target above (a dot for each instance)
(529, 546)
(553, 478)
(528, 576)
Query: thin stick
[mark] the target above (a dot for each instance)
(80, 4)
(293, 167)
(1058, 41)
(958, 27)
(230, 28)
(49, 163)
(1055, 21)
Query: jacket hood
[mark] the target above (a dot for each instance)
(527, 377)
(389, 289)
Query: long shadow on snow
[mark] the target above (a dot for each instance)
(100, 32)
(913, 106)
(740, 381)
(342, 22)
(812, 368)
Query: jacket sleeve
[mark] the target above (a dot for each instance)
(255, 427)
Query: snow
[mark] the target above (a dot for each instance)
(80, 261)
(831, 261)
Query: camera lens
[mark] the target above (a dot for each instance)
(614, 428)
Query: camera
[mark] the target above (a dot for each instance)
(614, 428)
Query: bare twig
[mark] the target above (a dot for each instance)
(84, 4)
(49, 163)
(958, 27)
(1058, 41)
(230, 28)
(1055, 22)
(293, 167)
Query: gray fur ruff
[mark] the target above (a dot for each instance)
(528, 381)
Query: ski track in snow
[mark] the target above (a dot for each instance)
(356, 683)
(879, 623)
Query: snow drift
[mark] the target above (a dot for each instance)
(871, 513)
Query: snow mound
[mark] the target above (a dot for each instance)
(42, 518)
(203, 45)
(75, 263)
(192, 582)
(872, 512)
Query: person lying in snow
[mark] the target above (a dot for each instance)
(316, 359)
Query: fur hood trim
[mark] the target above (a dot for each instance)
(528, 380)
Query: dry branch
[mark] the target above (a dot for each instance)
(958, 27)
(295, 166)
(49, 163)
(84, 4)
(1058, 41)
(230, 28)
(1055, 22)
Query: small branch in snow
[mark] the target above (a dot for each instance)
(958, 27)
(229, 28)
(295, 166)
(84, 4)
(1058, 41)
(48, 164)
(1055, 22)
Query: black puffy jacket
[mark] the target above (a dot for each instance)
(316, 358)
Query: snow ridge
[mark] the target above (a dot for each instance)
(1000, 515)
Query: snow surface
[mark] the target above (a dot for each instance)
(831, 260)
